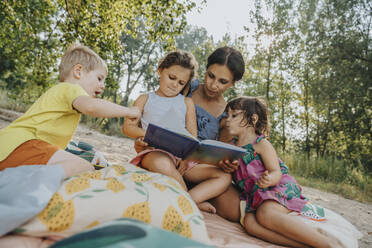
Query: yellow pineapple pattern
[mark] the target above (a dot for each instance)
(173, 222)
(78, 184)
(186, 230)
(115, 185)
(119, 169)
(138, 177)
(185, 205)
(92, 175)
(93, 224)
(159, 186)
(139, 211)
(58, 215)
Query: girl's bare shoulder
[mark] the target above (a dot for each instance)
(141, 100)
(263, 146)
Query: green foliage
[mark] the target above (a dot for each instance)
(27, 39)
(331, 171)
(312, 62)
(137, 62)
(43, 29)
(197, 41)
(8, 103)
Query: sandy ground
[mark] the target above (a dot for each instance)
(118, 150)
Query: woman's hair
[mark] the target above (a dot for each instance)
(79, 54)
(249, 106)
(181, 58)
(230, 57)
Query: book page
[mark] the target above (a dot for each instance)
(222, 144)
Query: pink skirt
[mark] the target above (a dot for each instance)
(176, 160)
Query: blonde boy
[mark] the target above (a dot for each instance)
(43, 132)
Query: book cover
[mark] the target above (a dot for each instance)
(212, 151)
(180, 145)
(187, 147)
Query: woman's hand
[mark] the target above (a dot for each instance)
(265, 180)
(140, 145)
(228, 166)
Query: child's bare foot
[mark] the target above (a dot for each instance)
(207, 207)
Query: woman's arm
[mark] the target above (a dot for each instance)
(273, 174)
(191, 125)
(130, 126)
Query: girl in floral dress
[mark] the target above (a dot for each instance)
(271, 201)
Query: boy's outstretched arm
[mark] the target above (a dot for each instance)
(103, 109)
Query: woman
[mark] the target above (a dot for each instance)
(225, 67)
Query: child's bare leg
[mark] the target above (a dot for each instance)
(275, 217)
(211, 182)
(206, 207)
(72, 164)
(228, 204)
(256, 229)
(163, 164)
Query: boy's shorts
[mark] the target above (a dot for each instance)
(32, 152)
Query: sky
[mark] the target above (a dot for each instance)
(219, 17)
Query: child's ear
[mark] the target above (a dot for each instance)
(254, 118)
(76, 71)
(159, 71)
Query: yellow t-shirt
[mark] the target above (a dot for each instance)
(51, 118)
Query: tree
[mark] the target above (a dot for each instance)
(323, 49)
(28, 42)
(197, 41)
(44, 28)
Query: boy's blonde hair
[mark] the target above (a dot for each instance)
(79, 54)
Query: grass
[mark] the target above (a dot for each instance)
(335, 176)
(348, 191)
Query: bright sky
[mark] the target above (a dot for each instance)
(219, 17)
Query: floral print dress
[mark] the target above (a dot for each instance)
(287, 192)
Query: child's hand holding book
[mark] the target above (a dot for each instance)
(228, 166)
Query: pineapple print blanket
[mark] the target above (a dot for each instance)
(117, 191)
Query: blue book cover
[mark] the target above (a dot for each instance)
(187, 147)
(180, 145)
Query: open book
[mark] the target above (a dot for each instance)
(185, 146)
